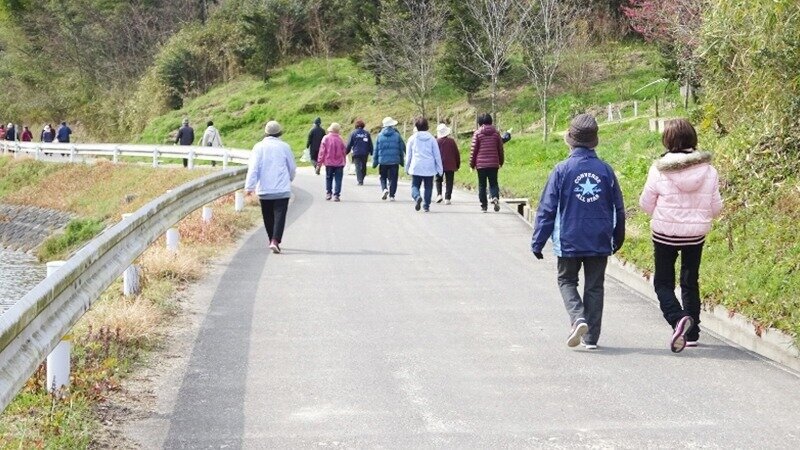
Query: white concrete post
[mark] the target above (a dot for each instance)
(155, 157)
(190, 166)
(610, 113)
(72, 151)
(58, 359)
(173, 239)
(225, 157)
(38, 152)
(238, 201)
(130, 277)
(5, 149)
(207, 214)
(115, 157)
(635, 109)
(654, 125)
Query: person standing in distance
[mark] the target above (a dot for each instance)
(581, 208)
(361, 145)
(451, 162)
(185, 137)
(486, 155)
(682, 196)
(63, 133)
(423, 162)
(314, 141)
(332, 155)
(390, 154)
(211, 138)
(270, 173)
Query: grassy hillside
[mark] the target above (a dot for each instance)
(735, 271)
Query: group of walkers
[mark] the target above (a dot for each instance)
(47, 134)
(210, 138)
(581, 209)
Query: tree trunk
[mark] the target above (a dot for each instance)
(545, 129)
(494, 95)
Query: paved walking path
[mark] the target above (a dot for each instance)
(382, 327)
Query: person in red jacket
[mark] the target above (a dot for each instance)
(486, 155)
(26, 136)
(451, 162)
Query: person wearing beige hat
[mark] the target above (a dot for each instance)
(451, 162)
(582, 210)
(270, 174)
(332, 155)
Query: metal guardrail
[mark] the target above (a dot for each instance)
(38, 150)
(33, 326)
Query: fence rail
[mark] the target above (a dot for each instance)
(34, 325)
(38, 150)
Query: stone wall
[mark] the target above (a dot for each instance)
(23, 228)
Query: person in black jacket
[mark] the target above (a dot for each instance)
(185, 137)
(314, 140)
(361, 146)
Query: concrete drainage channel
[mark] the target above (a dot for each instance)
(735, 328)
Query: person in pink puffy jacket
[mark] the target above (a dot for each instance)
(682, 196)
(332, 155)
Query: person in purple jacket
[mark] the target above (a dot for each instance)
(451, 162)
(581, 208)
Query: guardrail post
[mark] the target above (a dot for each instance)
(173, 239)
(130, 277)
(610, 113)
(238, 201)
(38, 152)
(115, 158)
(72, 152)
(4, 149)
(155, 157)
(191, 160)
(635, 108)
(58, 359)
(207, 214)
(225, 157)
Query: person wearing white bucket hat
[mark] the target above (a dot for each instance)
(451, 162)
(270, 174)
(389, 155)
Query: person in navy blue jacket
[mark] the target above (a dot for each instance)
(361, 146)
(582, 210)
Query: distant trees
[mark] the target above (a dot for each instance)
(405, 44)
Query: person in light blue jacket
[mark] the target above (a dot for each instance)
(423, 161)
(270, 174)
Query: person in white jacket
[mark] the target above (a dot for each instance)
(423, 161)
(270, 174)
(211, 138)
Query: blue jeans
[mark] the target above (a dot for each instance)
(416, 182)
(331, 174)
(389, 174)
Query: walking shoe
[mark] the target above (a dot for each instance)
(483, 209)
(439, 198)
(418, 204)
(328, 196)
(360, 183)
(447, 202)
(336, 198)
(391, 199)
(496, 203)
(678, 341)
(426, 209)
(691, 343)
(578, 330)
(273, 245)
(589, 346)
(385, 194)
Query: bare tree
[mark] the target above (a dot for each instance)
(405, 44)
(548, 34)
(491, 30)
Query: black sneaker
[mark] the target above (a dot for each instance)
(418, 204)
(496, 203)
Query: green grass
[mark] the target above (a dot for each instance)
(76, 233)
(15, 175)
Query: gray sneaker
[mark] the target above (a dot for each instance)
(579, 329)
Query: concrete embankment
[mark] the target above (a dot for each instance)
(23, 228)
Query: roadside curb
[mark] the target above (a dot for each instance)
(772, 344)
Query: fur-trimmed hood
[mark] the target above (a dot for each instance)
(687, 170)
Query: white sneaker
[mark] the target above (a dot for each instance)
(447, 202)
(589, 346)
(385, 194)
(439, 199)
(391, 199)
(578, 330)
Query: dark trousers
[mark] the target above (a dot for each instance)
(333, 174)
(389, 174)
(448, 184)
(489, 175)
(416, 183)
(590, 307)
(185, 162)
(274, 214)
(664, 283)
(361, 167)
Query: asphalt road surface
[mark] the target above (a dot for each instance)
(380, 326)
